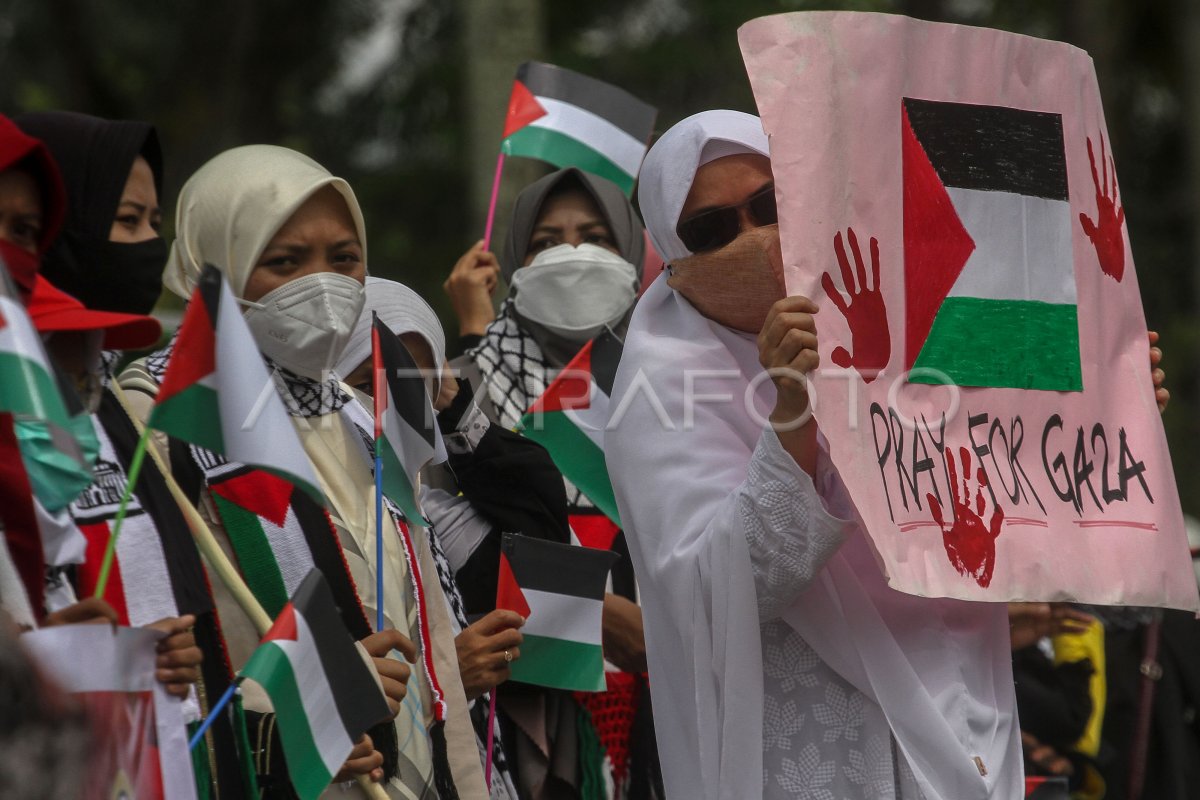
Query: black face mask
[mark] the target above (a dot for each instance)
(109, 276)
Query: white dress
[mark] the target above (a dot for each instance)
(822, 738)
(781, 664)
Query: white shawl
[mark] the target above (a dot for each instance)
(939, 669)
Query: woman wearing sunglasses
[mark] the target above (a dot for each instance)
(780, 660)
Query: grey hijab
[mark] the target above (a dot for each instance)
(614, 206)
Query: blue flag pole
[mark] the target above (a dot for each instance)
(213, 712)
(378, 539)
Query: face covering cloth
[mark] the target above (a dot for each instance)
(96, 156)
(575, 292)
(19, 150)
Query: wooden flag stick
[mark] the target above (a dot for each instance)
(216, 558)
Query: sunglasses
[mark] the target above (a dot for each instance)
(718, 227)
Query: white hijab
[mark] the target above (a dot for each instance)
(403, 311)
(940, 670)
(666, 178)
(232, 206)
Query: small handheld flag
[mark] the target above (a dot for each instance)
(559, 589)
(217, 393)
(569, 420)
(28, 387)
(572, 120)
(406, 439)
(322, 690)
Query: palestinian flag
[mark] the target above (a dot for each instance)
(572, 120)
(407, 439)
(324, 694)
(217, 393)
(990, 295)
(569, 420)
(559, 589)
(28, 387)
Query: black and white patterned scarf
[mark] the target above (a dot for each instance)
(302, 397)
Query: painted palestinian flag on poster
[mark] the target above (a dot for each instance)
(323, 692)
(559, 589)
(990, 296)
(569, 420)
(217, 393)
(406, 433)
(571, 120)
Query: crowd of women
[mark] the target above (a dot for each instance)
(782, 665)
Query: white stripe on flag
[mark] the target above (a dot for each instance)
(255, 426)
(1022, 247)
(593, 419)
(563, 616)
(18, 335)
(595, 131)
(315, 693)
(408, 445)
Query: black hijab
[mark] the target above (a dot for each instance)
(95, 156)
(613, 204)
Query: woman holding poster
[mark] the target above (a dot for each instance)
(778, 655)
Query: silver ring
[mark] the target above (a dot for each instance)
(507, 657)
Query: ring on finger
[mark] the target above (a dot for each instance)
(508, 656)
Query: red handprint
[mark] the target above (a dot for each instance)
(1105, 233)
(970, 545)
(865, 313)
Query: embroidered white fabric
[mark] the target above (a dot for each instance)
(822, 738)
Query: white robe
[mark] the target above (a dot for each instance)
(706, 494)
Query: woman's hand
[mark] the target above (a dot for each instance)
(470, 286)
(1029, 622)
(1161, 395)
(393, 674)
(177, 665)
(364, 759)
(622, 635)
(787, 349)
(481, 648)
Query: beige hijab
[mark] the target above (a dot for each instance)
(232, 206)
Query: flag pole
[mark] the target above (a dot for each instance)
(110, 550)
(378, 539)
(215, 556)
(379, 389)
(213, 712)
(491, 214)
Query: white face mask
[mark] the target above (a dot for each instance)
(574, 292)
(304, 325)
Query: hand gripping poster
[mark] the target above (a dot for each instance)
(948, 197)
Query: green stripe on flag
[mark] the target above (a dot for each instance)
(1019, 344)
(560, 664)
(576, 456)
(271, 667)
(193, 415)
(395, 483)
(255, 557)
(27, 388)
(565, 151)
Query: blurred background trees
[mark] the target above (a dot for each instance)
(405, 98)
